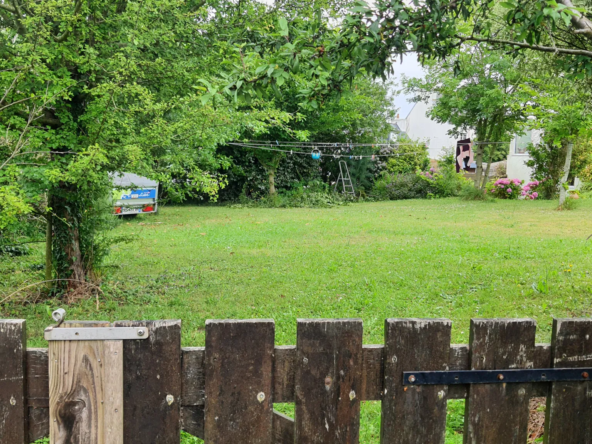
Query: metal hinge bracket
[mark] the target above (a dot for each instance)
(496, 376)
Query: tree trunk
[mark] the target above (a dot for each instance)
(479, 162)
(271, 176)
(566, 168)
(48, 241)
(74, 255)
(486, 174)
(67, 253)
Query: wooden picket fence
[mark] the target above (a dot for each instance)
(146, 391)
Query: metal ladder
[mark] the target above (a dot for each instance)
(348, 186)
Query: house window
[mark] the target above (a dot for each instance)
(522, 143)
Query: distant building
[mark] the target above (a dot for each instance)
(518, 156)
(418, 126)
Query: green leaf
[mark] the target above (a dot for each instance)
(283, 26)
(508, 5)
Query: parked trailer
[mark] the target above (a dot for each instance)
(133, 194)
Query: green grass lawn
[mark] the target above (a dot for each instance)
(429, 258)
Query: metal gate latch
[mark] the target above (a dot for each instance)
(54, 333)
(496, 376)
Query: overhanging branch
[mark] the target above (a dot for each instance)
(579, 21)
(66, 33)
(7, 8)
(551, 49)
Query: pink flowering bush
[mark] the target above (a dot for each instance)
(530, 190)
(513, 189)
(505, 188)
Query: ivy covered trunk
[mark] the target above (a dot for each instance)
(271, 176)
(68, 255)
(271, 163)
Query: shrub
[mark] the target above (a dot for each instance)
(569, 204)
(447, 158)
(401, 186)
(446, 182)
(531, 189)
(470, 192)
(413, 156)
(421, 185)
(505, 188)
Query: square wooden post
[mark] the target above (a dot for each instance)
(13, 351)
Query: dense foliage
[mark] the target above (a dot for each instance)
(97, 87)
(360, 114)
(92, 87)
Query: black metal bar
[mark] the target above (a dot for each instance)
(496, 376)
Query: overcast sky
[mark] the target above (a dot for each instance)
(411, 68)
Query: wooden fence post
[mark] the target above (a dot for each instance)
(328, 380)
(85, 381)
(238, 371)
(152, 384)
(13, 348)
(569, 404)
(498, 413)
(414, 414)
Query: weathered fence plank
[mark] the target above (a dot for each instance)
(192, 420)
(82, 407)
(328, 380)
(38, 423)
(13, 407)
(193, 378)
(193, 390)
(569, 406)
(284, 365)
(458, 357)
(283, 429)
(414, 414)
(38, 393)
(152, 383)
(498, 413)
(372, 372)
(238, 371)
(113, 391)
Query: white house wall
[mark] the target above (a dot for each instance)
(516, 166)
(419, 126)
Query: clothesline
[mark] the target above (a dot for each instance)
(315, 148)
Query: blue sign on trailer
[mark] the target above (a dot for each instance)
(139, 194)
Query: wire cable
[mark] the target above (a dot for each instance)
(289, 149)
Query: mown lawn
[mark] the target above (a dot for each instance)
(439, 258)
